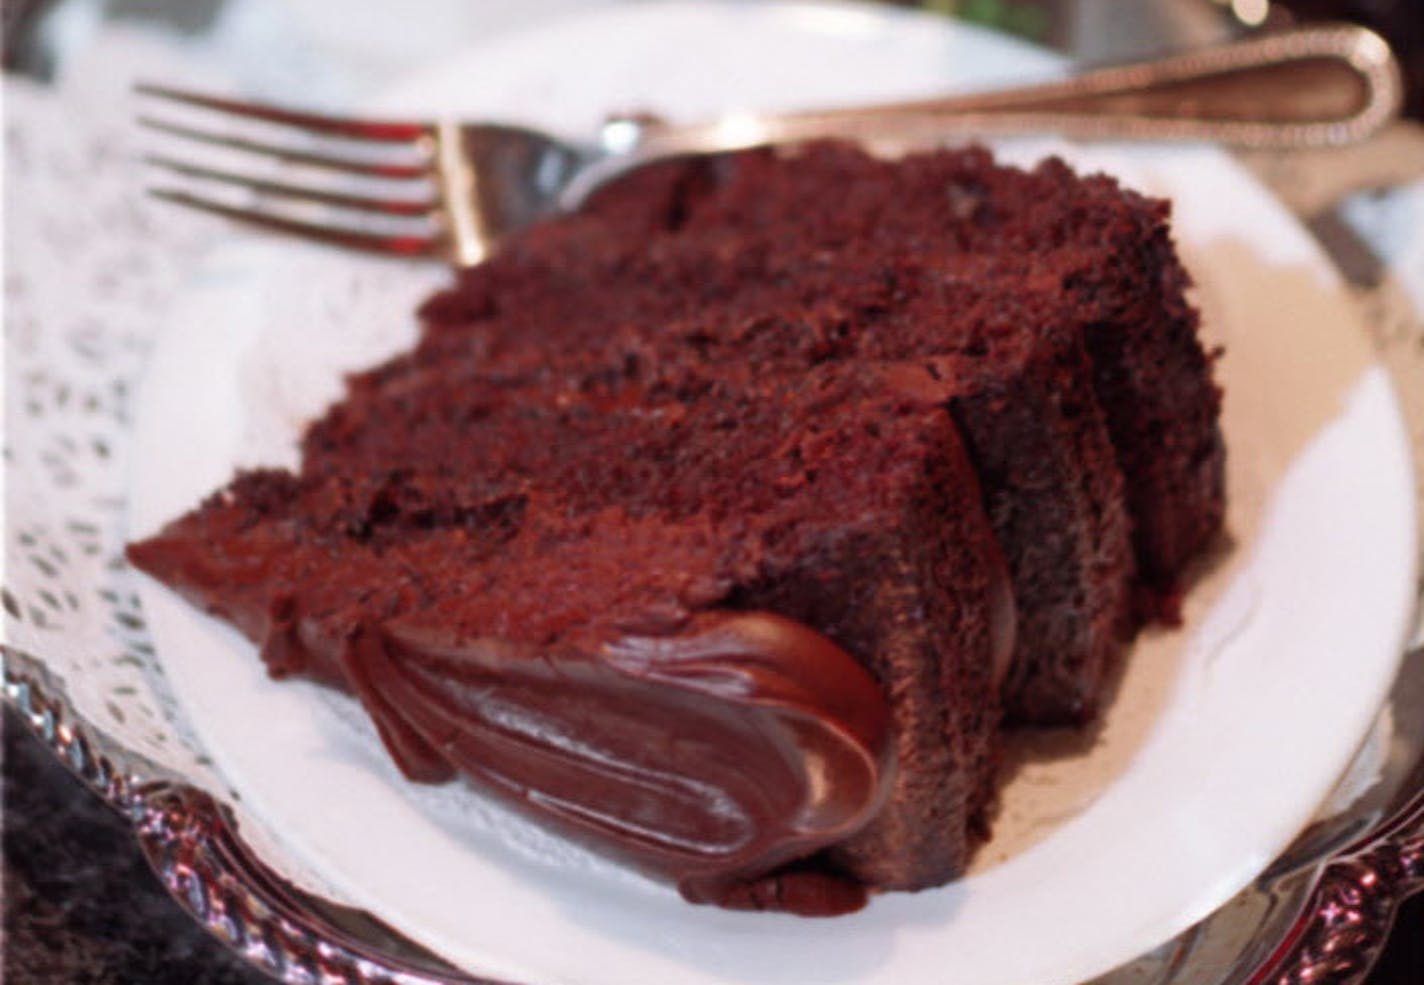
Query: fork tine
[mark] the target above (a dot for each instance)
(363, 203)
(379, 130)
(375, 169)
(400, 245)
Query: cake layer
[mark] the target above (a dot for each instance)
(727, 264)
(1079, 251)
(1046, 466)
(1099, 257)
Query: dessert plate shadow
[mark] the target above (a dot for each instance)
(1226, 735)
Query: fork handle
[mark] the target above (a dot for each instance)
(1312, 86)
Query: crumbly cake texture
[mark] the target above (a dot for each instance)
(951, 416)
(1065, 291)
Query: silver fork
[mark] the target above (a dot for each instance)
(475, 183)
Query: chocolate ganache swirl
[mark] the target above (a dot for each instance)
(720, 756)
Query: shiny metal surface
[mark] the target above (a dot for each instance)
(1311, 87)
(197, 851)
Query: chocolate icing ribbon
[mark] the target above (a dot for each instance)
(712, 756)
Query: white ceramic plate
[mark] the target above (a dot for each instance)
(1226, 735)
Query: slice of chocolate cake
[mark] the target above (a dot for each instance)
(698, 521)
(595, 537)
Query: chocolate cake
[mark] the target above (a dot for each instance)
(723, 522)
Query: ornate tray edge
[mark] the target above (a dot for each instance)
(193, 844)
(1351, 908)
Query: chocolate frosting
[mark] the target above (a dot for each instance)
(713, 756)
